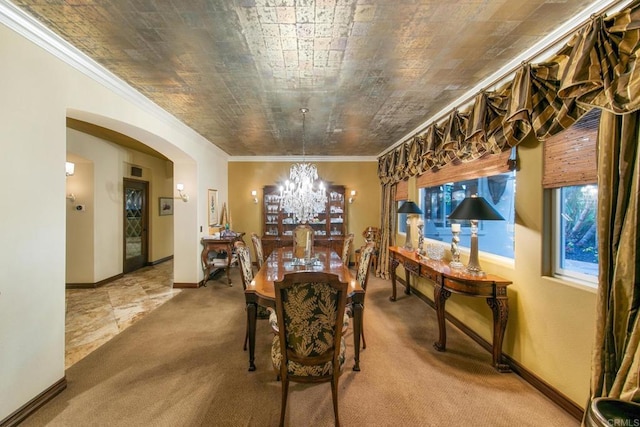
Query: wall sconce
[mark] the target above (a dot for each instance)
(184, 196)
(254, 194)
(353, 196)
(69, 168)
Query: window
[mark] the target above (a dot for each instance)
(439, 201)
(570, 175)
(576, 238)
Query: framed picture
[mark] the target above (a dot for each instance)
(213, 207)
(166, 206)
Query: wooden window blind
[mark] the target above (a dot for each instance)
(491, 164)
(402, 190)
(570, 156)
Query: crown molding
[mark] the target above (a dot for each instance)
(315, 159)
(34, 31)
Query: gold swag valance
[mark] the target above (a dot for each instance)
(596, 68)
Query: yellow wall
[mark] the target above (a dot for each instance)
(551, 325)
(360, 176)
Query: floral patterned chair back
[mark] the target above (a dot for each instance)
(244, 258)
(370, 234)
(362, 275)
(257, 247)
(246, 273)
(309, 346)
(346, 249)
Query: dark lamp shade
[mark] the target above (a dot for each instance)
(409, 208)
(475, 208)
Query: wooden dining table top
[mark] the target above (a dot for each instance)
(281, 262)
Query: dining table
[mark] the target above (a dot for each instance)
(281, 261)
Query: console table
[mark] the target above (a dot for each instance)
(447, 281)
(220, 244)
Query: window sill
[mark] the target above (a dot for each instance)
(574, 283)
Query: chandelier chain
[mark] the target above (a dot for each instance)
(300, 196)
(304, 116)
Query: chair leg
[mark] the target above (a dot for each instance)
(364, 342)
(285, 393)
(334, 394)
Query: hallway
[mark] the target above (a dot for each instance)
(94, 316)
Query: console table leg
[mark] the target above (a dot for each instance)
(252, 314)
(357, 332)
(440, 296)
(500, 308)
(394, 265)
(407, 278)
(229, 266)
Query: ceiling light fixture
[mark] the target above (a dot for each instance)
(301, 196)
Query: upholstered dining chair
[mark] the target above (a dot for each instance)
(346, 249)
(246, 274)
(309, 346)
(257, 248)
(362, 277)
(370, 234)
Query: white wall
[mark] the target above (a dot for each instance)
(38, 92)
(105, 206)
(80, 240)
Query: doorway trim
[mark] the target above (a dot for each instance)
(132, 264)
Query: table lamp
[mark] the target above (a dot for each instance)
(474, 209)
(409, 208)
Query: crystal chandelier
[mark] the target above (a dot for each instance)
(299, 196)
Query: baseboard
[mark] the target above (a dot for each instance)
(539, 384)
(111, 279)
(186, 285)
(161, 260)
(93, 285)
(30, 407)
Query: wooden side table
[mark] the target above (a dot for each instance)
(211, 244)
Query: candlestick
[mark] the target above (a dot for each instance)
(420, 236)
(455, 252)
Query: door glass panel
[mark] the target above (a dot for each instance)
(133, 225)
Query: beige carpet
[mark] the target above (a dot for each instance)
(183, 365)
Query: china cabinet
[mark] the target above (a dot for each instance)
(330, 226)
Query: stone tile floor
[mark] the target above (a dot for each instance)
(94, 316)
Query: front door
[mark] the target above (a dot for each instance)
(135, 224)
